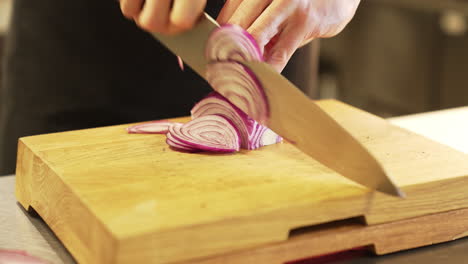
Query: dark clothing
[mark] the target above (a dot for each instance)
(79, 64)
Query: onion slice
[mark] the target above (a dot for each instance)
(18, 257)
(180, 62)
(240, 86)
(252, 134)
(209, 133)
(232, 43)
(231, 117)
(269, 138)
(153, 127)
(177, 144)
(216, 104)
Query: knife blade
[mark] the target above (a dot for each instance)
(190, 45)
(293, 115)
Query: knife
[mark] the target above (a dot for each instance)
(293, 115)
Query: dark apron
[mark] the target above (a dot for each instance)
(80, 64)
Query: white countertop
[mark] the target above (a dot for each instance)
(449, 127)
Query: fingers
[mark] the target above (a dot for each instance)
(228, 9)
(164, 16)
(264, 19)
(306, 41)
(247, 12)
(131, 8)
(270, 22)
(155, 15)
(185, 14)
(286, 44)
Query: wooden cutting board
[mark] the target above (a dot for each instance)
(111, 197)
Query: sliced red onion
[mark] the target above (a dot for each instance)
(18, 257)
(269, 138)
(240, 86)
(256, 136)
(209, 133)
(226, 119)
(154, 127)
(216, 104)
(232, 43)
(180, 62)
(252, 133)
(177, 144)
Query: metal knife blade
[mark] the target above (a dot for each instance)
(294, 116)
(302, 122)
(190, 45)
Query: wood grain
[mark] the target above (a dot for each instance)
(296, 118)
(345, 235)
(118, 198)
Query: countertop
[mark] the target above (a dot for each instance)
(21, 231)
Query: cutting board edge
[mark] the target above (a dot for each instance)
(374, 221)
(281, 230)
(347, 235)
(32, 186)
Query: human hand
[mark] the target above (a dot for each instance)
(282, 26)
(163, 16)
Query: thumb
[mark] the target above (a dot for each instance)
(286, 43)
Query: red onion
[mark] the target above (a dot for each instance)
(207, 115)
(225, 120)
(240, 86)
(180, 62)
(18, 257)
(209, 133)
(154, 127)
(215, 103)
(253, 135)
(269, 137)
(177, 144)
(232, 43)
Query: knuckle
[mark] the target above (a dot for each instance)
(150, 24)
(129, 8)
(279, 56)
(125, 10)
(331, 31)
(259, 36)
(182, 24)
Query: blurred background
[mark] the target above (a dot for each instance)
(396, 57)
(5, 8)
